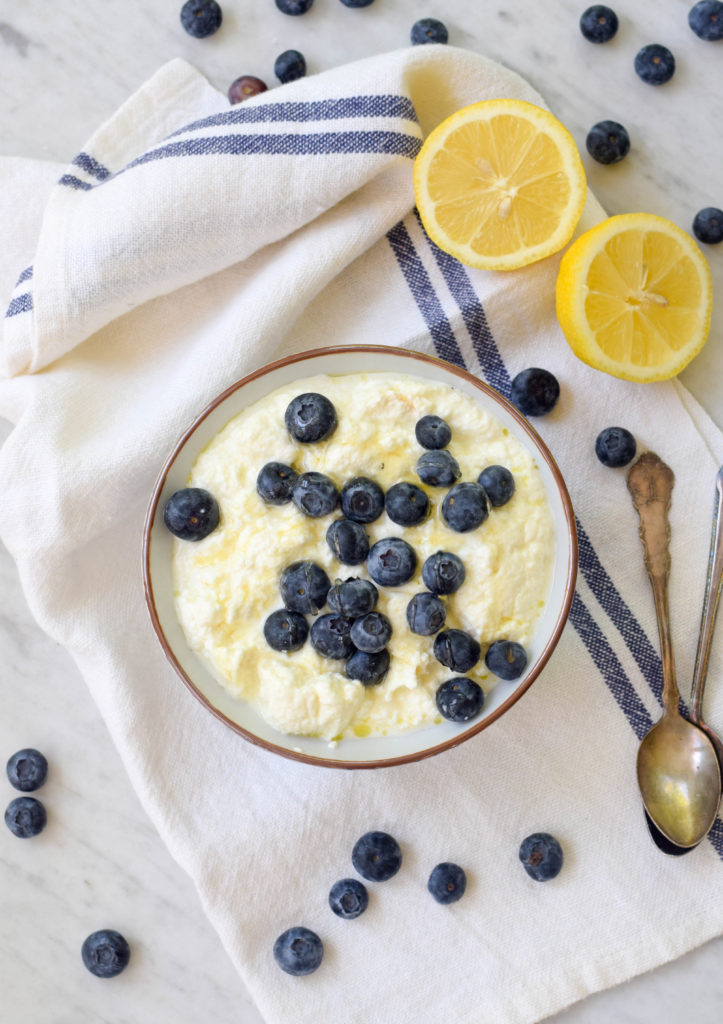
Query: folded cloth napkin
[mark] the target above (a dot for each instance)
(189, 243)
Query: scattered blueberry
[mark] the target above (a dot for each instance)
(274, 483)
(27, 770)
(244, 87)
(615, 446)
(426, 614)
(498, 484)
(289, 66)
(534, 391)
(456, 649)
(348, 540)
(352, 598)
(654, 64)
(428, 30)
(706, 20)
(25, 817)
(598, 24)
(708, 225)
(459, 699)
(541, 855)
(330, 636)
(191, 514)
(285, 630)
(406, 504)
(304, 586)
(201, 18)
(376, 856)
(314, 494)
(357, 3)
(298, 950)
(465, 507)
(447, 883)
(362, 500)
(348, 898)
(294, 6)
(438, 469)
(368, 669)
(371, 633)
(105, 953)
(432, 432)
(607, 142)
(443, 572)
(310, 417)
(392, 562)
(506, 659)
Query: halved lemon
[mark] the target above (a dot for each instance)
(634, 297)
(500, 184)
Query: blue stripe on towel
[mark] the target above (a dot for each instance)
(25, 275)
(72, 182)
(20, 304)
(91, 166)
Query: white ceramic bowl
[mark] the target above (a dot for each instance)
(370, 752)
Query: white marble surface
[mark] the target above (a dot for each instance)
(100, 863)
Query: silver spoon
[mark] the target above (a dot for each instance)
(678, 770)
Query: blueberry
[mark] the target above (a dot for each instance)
(348, 540)
(376, 856)
(304, 586)
(607, 142)
(432, 432)
(244, 87)
(426, 614)
(191, 514)
(541, 855)
(105, 953)
(274, 483)
(27, 770)
(368, 669)
(598, 24)
(615, 446)
(706, 20)
(506, 659)
(459, 699)
(357, 3)
(362, 500)
(330, 636)
(438, 469)
(406, 504)
(294, 6)
(289, 66)
(371, 633)
(392, 562)
(456, 649)
(298, 950)
(708, 225)
(285, 630)
(348, 898)
(25, 817)
(443, 572)
(201, 18)
(428, 30)
(352, 598)
(447, 883)
(315, 494)
(654, 64)
(534, 391)
(310, 417)
(465, 507)
(498, 484)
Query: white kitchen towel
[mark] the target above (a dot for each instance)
(189, 243)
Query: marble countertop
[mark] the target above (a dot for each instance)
(66, 68)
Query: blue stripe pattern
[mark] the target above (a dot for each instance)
(20, 304)
(25, 275)
(91, 166)
(72, 182)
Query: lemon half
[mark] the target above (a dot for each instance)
(500, 184)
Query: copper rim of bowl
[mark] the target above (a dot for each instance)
(388, 762)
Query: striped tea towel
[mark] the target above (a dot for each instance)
(189, 243)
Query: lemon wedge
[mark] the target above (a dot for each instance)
(634, 297)
(499, 184)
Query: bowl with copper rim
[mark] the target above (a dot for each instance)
(349, 752)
